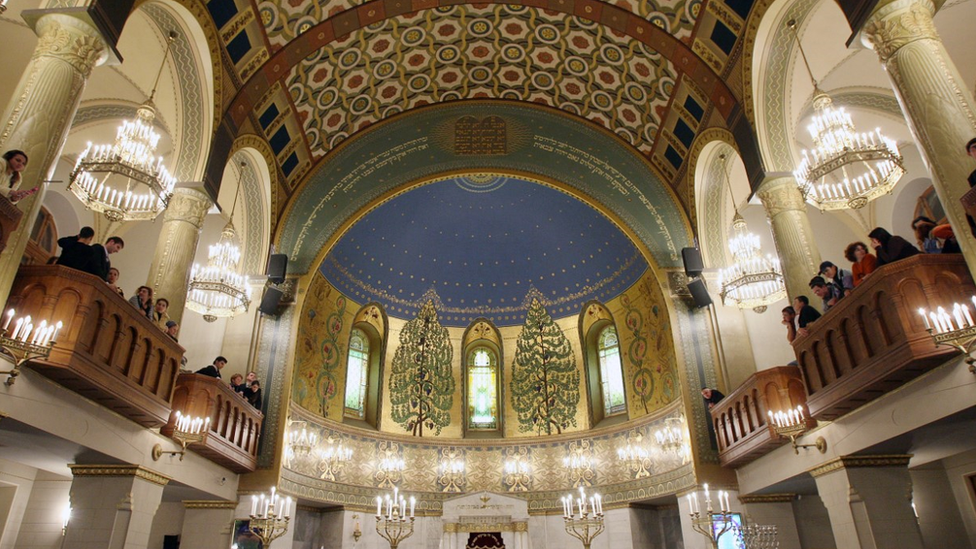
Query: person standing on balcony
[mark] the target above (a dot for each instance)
(76, 251)
(830, 293)
(11, 165)
(214, 369)
(890, 248)
(789, 320)
(805, 314)
(113, 277)
(833, 274)
(159, 315)
(711, 396)
(143, 301)
(100, 263)
(862, 261)
(971, 151)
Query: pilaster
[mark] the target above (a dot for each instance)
(774, 510)
(207, 524)
(112, 506)
(39, 115)
(934, 98)
(869, 500)
(179, 236)
(797, 249)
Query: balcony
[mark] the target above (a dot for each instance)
(740, 419)
(105, 352)
(235, 425)
(9, 220)
(968, 201)
(874, 340)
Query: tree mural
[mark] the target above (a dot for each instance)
(421, 380)
(545, 381)
(319, 352)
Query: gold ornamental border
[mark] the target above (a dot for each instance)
(137, 471)
(209, 504)
(767, 498)
(463, 527)
(852, 462)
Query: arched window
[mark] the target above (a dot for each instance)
(482, 384)
(611, 372)
(357, 374)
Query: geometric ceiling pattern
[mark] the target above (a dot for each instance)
(483, 246)
(501, 51)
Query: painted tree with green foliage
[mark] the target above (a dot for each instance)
(421, 380)
(545, 381)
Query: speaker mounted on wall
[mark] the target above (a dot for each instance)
(699, 293)
(277, 267)
(270, 301)
(693, 261)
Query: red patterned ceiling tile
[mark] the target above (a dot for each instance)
(346, 23)
(723, 101)
(394, 8)
(564, 6)
(242, 108)
(616, 19)
(419, 5)
(535, 3)
(702, 74)
(588, 9)
(323, 34)
(371, 12)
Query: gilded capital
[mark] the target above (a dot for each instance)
(189, 205)
(780, 195)
(898, 23)
(70, 40)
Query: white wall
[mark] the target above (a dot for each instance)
(20, 478)
(168, 522)
(43, 520)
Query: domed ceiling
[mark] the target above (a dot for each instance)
(483, 246)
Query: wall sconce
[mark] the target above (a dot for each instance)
(960, 334)
(356, 532)
(19, 344)
(187, 431)
(792, 424)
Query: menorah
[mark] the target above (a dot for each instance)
(395, 526)
(712, 524)
(23, 348)
(269, 517)
(589, 522)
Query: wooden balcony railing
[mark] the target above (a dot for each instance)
(106, 351)
(741, 419)
(968, 201)
(9, 220)
(874, 340)
(235, 425)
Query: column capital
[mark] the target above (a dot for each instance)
(866, 461)
(209, 504)
(68, 38)
(767, 498)
(780, 194)
(188, 204)
(119, 471)
(895, 23)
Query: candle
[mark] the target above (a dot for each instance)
(254, 505)
(695, 499)
(10, 316)
(17, 326)
(925, 319)
(957, 314)
(287, 506)
(599, 504)
(57, 328)
(413, 505)
(935, 322)
(965, 313)
(379, 506)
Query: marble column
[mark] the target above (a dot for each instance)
(935, 100)
(112, 506)
(39, 115)
(207, 524)
(869, 500)
(774, 510)
(169, 274)
(792, 234)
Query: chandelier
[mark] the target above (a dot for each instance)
(752, 281)
(219, 290)
(144, 185)
(863, 166)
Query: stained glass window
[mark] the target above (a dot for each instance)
(611, 373)
(356, 374)
(482, 389)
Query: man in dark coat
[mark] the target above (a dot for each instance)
(76, 251)
(214, 369)
(100, 263)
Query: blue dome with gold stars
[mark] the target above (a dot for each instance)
(483, 246)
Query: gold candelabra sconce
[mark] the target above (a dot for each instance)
(21, 347)
(714, 523)
(389, 469)
(452, 470)
(394, 520)
(333, 458)
(793, 424)
(579, 464)
(518, 471)
(269, 516)
(583, 517)
(635, 455)
(957, 330)
(357, 532)
(187, 430)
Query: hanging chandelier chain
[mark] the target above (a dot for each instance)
(170, 38)
(237, 192)
(792, 25)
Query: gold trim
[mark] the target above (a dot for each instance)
(119, 471)
(767, 498)
(853, 462)
(209, 504)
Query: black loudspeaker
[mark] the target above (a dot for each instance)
(270, 301)
(699, 293)
(277, 265)
(171, 542)
(693, 261)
